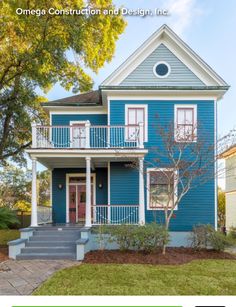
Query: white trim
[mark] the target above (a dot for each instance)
(109, 190)
(108, 115)
(141, 193)
(109, 182)
(159, 76)
(216, 166)
(68, 175)
(150, 95)
(194, 107)
(34, 217)
(166, 36)
(230, 192)
(67, 111)
(82, 153)
(51, 188)
(140, 106)
(151, 169)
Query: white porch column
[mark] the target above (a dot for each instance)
(88, 193)
(141, 193)
(34, 218)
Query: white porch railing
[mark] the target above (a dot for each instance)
(86, 136)
(115, 214)
(44, 214)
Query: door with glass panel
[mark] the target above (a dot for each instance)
(77, 198)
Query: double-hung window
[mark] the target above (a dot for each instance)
(185, 123)
(161, 188)
(134, 115)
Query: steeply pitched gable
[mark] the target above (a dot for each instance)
(180, 74)
(164, 42)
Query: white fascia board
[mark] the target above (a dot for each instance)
(195, 57)
(166, 36)
(75, 110)
(164, 94)
(76, 153)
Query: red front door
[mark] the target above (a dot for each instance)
(81, 202)
(77, 202)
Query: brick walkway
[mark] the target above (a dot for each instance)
(24, 276)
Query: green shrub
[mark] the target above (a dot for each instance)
(205, 236)
(220, 241)
(122, 235)
(7, 218)
(147, 238)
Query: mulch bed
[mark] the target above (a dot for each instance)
(3, 253)
(173, 256)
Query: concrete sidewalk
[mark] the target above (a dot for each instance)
(22, 277)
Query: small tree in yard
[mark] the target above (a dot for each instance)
(221, 207)
(183, 161)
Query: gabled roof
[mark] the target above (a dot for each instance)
(166, 36)
(92, 98)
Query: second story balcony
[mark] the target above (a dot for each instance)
(85, 136)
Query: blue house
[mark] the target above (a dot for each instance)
(93, 137)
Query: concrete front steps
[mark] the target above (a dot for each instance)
(51, 243)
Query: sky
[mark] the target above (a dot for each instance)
(207, 26)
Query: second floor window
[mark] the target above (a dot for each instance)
(185, 123)
(134, 115)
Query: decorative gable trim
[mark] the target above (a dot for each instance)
(181, 50)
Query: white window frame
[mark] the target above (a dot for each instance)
(72, 122)
(159, 76)
(138, 106)
(93, 186)
(153, 169)
(179, 106)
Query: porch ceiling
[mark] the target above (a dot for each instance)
(76, 159)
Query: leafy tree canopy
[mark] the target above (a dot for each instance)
(15, 188)
(34, 53)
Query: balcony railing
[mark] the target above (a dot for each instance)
(115, 214)
(86, 136)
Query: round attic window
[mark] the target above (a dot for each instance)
(161, 69)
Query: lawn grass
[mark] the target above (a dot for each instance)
(7, 235)
(200, 277)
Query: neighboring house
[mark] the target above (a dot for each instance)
(92, 137)
(230, 186)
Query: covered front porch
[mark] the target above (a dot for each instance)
(115, 188)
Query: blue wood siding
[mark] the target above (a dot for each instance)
(198, 206)
(124, 186)
(180, 74)
(64, 119)
(59, 196)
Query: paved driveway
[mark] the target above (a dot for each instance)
(22, 277)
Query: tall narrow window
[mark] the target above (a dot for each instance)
(185, 123)
(133, 117)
